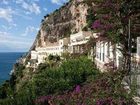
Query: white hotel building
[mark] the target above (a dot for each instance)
(78, 41)
(56, 48)
(104, 56)
(76, 44)
(73, 44)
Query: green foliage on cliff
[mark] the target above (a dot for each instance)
(22, 98)
(70, 73)
(48, 80)
(19, 69)
(90, 18)
(92, 86)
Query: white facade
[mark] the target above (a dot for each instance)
(105, 55)
(74, 44)
(34, 55)
(77, 40)
(138, 48)
(44, 52)
(40, 53)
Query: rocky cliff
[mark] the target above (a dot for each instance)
(70, 18)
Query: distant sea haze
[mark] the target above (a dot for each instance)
(7, 60)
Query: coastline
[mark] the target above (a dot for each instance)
(7, 60)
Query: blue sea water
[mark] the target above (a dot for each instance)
(7, 60)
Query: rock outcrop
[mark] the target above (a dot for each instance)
(70, 18)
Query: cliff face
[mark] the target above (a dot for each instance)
(70, 18)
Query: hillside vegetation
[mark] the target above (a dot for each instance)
(75, 81)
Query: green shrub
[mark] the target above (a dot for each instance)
(6, 90)
(54, 57)
(2, 92)
(90, 18)
(19, 69)
(43, 66)
(70, 73)
(57, 58)
(21, 99)
(50, 57)
(6, 102)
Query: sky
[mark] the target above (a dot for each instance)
(20, 21)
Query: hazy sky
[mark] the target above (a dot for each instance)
(20, 20)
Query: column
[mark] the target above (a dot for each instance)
(100, 47)
(103, 54)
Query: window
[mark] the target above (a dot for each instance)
(108, 49)
(100, 51)
(103, 52)
(100, 55)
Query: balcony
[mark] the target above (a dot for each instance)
(80, 38)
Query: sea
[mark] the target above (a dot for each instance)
(7, 60)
